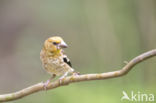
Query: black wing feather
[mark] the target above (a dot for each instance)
(66, 60)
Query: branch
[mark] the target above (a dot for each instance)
(72, 79)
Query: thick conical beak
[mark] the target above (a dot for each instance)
(63, 45)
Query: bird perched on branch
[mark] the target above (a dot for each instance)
(54, 61)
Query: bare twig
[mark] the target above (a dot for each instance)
(85, 77)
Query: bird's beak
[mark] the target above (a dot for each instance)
(63, 45)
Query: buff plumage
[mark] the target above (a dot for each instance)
(54, 61)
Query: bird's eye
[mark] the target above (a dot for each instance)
(55, 43)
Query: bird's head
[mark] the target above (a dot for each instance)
(55, 44)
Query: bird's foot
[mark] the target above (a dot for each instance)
(61, 79)
(46, 84)
(76, 73)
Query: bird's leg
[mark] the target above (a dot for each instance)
(65, 74)
(48, 81)
(62, 77)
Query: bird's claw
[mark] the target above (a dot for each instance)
(61, 79)
(46, 84)
(76, 73)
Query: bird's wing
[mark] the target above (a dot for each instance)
(66, 60)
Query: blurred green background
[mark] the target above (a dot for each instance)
(101, 35)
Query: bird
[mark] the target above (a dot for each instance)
(54, 60)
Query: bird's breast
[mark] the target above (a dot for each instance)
(56, 66)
